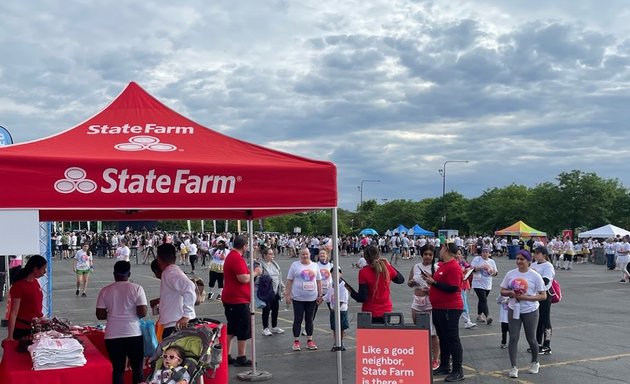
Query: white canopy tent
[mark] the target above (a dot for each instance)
(604, 232)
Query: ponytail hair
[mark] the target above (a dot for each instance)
(372, 256)
(35, 261)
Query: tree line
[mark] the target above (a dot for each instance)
(576, 200)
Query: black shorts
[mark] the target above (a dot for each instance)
(238, 321)
(215, 276)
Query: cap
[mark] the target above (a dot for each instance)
(485, 249)
(542, 250)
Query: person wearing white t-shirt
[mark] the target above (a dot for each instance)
(484, 269)
(304, 290)
(543, 266)
(122, 304)
(525, 288)
(83, 265)
(624, 259)
(123, 252)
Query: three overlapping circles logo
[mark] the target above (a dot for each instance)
(75, 180)
(141, 143)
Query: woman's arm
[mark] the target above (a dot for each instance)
(540, 296)
(362, 295)
(15, 308)
(287, 291)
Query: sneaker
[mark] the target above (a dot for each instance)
(231, 360)
(545, 351)
(435, 364)
(481, 318)
(83, 294)
(489, 320)
(242, 361)
(534, 367)
(219, 296)
(277, 330)
(455, 376)
(296, 345)
(513, 373)
(622, 281)
(442, 370)
(210, 295)
(76, 292)
(304, 332)
(470, 325)
(529, 350)
(503, 346)
(267, 332)
(310, 344)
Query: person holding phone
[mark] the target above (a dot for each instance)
(421, 303)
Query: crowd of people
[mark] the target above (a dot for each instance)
(439, 282)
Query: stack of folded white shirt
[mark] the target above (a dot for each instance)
(55, 353)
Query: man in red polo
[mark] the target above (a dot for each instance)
(236, 297)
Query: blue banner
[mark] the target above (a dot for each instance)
(5, 136)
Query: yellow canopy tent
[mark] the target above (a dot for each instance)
(520, 229)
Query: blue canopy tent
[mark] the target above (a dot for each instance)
(400, 229)
(417, 230)
(368, 232)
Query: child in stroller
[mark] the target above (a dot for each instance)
(198, 349)
(172, 372)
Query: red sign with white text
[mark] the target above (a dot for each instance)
(393, 356)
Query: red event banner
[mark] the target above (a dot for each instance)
(393, 356)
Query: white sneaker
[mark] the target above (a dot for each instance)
(513, 372)
(266, 332)
(277, 330)
(470, 325)
(534, 367)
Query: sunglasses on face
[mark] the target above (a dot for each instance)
(173, 357)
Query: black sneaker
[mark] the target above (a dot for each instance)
(540, 349)
(242, 361)
(231, 360)
(545, 351)
(442, 371)
(455, 376)
(210, 295)
(76, 292)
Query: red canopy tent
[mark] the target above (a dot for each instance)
(139, 160)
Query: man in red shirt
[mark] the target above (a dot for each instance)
(236, 297)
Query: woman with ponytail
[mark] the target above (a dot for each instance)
(374, 280)
(26, 298)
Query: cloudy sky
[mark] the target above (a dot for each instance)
(385, 89)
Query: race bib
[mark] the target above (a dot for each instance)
(308, 286)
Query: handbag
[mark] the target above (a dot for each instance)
(149, 337)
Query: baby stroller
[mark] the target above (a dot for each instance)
(201, 345)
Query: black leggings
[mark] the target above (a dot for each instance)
(303, 310)
(193, 260)
(505, 328)
(482, 304)
(121, 348)
(543, 331)
(446, 322)
(272, 308)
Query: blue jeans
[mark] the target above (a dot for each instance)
(610, 260)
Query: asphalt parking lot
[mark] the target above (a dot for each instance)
(590, 338)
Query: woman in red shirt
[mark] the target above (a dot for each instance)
(374, 280)
(446, 299)
(26, 298)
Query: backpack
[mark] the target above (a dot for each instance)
(199, 290)
(555, 291)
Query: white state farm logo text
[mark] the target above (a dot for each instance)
(148, 128)
(122, 181)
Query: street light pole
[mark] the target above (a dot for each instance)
(360, 187)
(443, 174)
